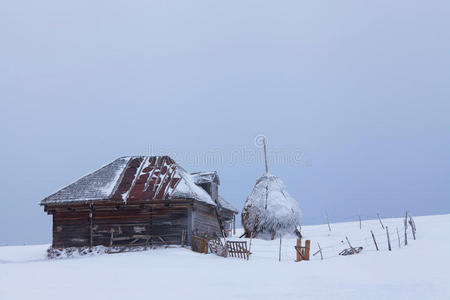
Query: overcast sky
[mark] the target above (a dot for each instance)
(354, 98)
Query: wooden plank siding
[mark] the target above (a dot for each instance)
(161, 223)
(70, 229)
(205, 221)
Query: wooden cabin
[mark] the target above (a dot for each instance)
(138, 200)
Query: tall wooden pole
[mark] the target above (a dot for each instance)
(360, 225)
(265, 156)
(267, 169)
(267, 195)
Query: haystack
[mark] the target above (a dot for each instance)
(269, 210)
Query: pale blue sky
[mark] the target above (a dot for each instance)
(360, 88)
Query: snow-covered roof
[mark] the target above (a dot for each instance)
(225, 204)
(133, 178)
(203, 177)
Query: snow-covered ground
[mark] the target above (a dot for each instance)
(420, 270)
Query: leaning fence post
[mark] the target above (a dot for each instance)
(353, 249)
(389, 240)
(398, 236)
(328, 221)
(406, 228)
(406, 219)
(412, 223)
(374, 241)
(406, 237)
(380, 220)
(413, 227)
(320, 250)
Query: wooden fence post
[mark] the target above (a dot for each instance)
(353, 249)
(380, 220)
(360, 225)
(413, 224)
(389, 240)
(279, 252)
(406, 228)
(398, 236)
(234, 224)
(406, 236)
(328, 221)
(299, 244)
(413, 227)
(406, 219)
(374, 241)
(307, 247)
(320, 249)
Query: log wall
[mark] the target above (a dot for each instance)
(205, 221)
(159, 224)
(164, 223)
(71, 229)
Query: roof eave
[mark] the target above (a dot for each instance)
(71, 201)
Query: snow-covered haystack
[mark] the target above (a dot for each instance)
(269, 210)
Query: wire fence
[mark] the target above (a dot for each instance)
(329, 251)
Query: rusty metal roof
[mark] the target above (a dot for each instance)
(133, 179)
